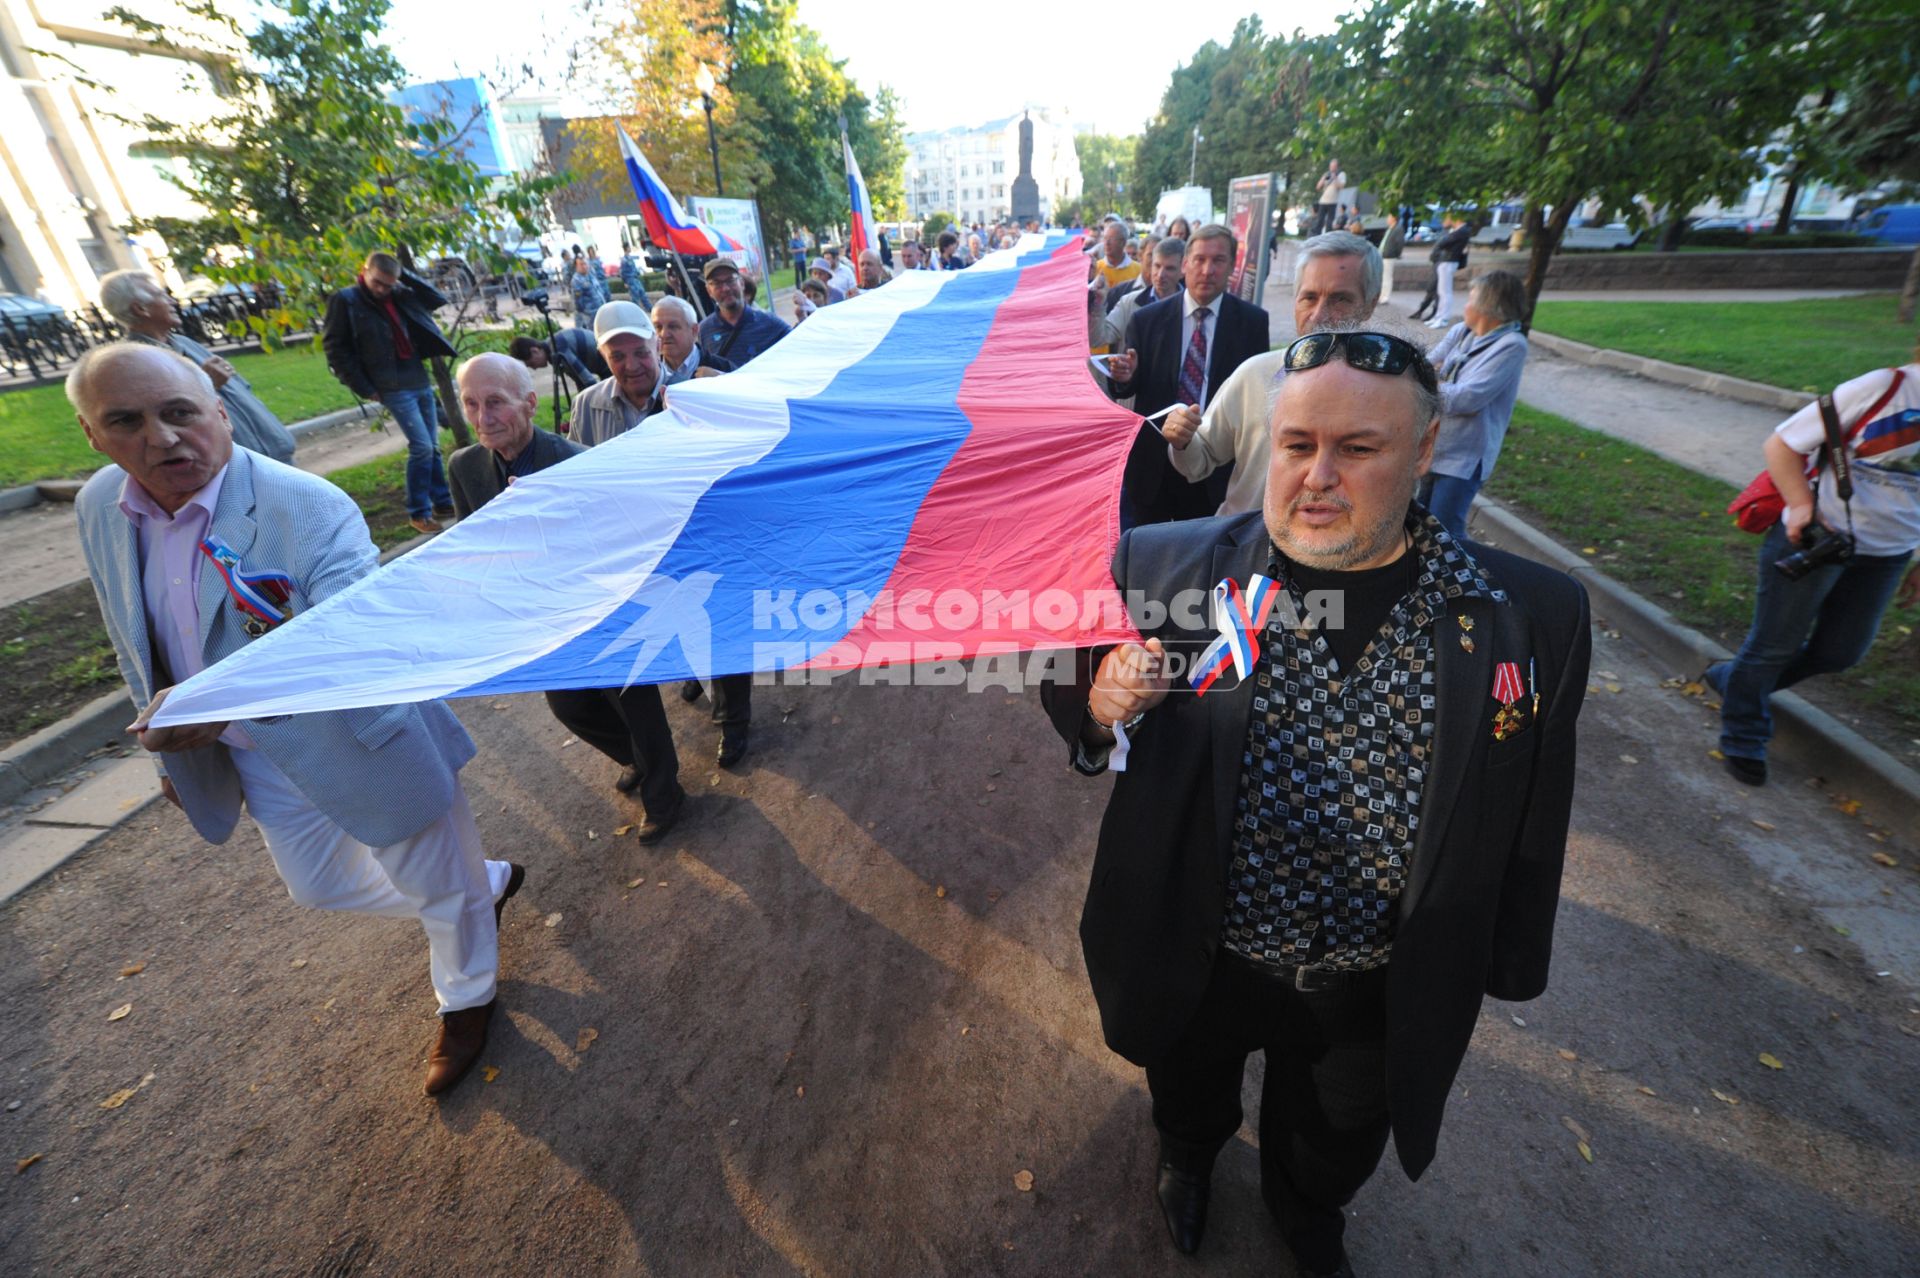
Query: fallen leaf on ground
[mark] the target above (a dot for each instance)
(1572, 1125)
(298, 964)
(121, 1012)
(585, 1038)
(637, 882)
(1771, 1061)
(1586, 1151)
(1764, 825)
(27, 1162)
(940, 891)
(1881, 858)
(1694, 689)
(592, 835)
(489, 1072)
(1613, 687)
(622, 831)
(1716, 755)
(1023, 1181)
(499, 705)
(133, 969)
(566, 743)
(1589, 550)
(1520, 1021)
(1627, 758)
(1605, 674)
(965, 1030)
(1849, 806)
(125, 1094)
(1647, 1091)
(1567, 1055)
(1722, 1096)
(800, 1090)
(553, 919)
(1843, 931)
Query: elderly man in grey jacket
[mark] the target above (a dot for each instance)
(141, 306)
(1480, 360)
(196, 549)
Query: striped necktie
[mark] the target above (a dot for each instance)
(1193, 369)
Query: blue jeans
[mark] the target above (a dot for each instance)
(1447, 498)
(1820, 624)
(419, 421)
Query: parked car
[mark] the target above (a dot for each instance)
(1610, 235)
(1893, 224)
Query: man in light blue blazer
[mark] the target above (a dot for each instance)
(195, 549)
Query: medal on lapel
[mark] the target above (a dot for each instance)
(1240, 616)
(1466, 632)
(263, 598)
(1507, 690)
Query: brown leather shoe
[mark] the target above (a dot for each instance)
(463, 1035)
(425, 524)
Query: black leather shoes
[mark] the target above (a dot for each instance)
(627, 780)
(1183, 1201)
(1343, 1270)
(690, 691)
(1750, 771)
(733, 746)
(655, 827)
(514, 880)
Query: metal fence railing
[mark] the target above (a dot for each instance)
(38, 345)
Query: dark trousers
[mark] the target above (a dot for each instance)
(1431, 299)
(732, 700)
(629, 727)
(1323, 1107)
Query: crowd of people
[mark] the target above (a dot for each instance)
(1331, 861)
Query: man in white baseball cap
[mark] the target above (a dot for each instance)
(634, 393)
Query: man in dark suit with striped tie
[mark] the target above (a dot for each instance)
(1179, 351)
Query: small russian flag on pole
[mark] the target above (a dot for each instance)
(668, 225)
(861, 234)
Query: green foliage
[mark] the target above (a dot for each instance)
(1252, 100)
(308, 167)
(1107, 177)
(1812, 344)
(800, 93)
(937, 221)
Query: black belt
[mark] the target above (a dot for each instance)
(1307, 980)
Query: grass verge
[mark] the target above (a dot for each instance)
(39, 438)
(1663, 530)
(54, 658)
(1812, 344)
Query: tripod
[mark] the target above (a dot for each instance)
(561, 393)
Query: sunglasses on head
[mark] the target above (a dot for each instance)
(1369, 352)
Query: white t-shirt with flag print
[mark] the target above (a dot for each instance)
(1886, 459)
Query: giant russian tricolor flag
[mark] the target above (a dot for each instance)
(668, 225)
(860, 229)
(923, 473)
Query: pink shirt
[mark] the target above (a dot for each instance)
(170, 566)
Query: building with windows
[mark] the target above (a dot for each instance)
(75, 172)
(969, 172)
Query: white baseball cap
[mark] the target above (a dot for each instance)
(620, 317)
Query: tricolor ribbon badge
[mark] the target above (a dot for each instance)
(263, 596)
(1240, 616)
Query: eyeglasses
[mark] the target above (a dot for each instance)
(1369, 352)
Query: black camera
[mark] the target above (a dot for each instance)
(1819, 546)
(536, 298)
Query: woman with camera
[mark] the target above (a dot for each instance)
(1829, 568)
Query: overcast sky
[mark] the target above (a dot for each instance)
(1108, 64)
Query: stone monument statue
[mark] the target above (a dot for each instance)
(1026, 191)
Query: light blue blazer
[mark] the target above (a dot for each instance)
(383, 773)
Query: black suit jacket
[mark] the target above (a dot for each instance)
(1155, 490)
(474, 475)
(1476, 914)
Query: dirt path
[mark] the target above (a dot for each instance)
(844, 1005)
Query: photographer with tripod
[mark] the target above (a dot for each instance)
(1844, 474)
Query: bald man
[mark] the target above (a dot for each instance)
(361, 810)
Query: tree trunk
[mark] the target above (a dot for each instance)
(1543, 237)
(1911, 293)
(1672, 233)
(1784, 222)
(449, 401)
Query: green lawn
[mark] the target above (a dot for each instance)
(1812, 344)
(1664, 530)
(39, 438)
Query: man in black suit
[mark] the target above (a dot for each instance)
(1180, 350)
(1333, 860)
(628, 725)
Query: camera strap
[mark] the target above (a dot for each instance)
(1837, 461)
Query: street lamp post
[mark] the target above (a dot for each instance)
(1193, 164)
(705, 82)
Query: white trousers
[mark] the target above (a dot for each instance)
(438, 876)
(1386, 277)
(1443, 276)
